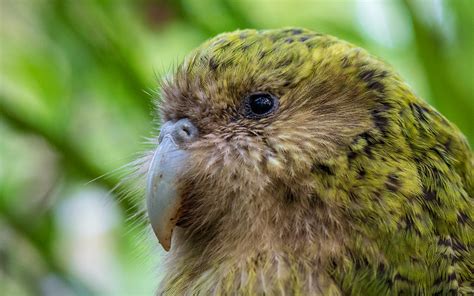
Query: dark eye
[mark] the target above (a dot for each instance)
(259, 105)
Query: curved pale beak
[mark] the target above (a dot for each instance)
(169, 161)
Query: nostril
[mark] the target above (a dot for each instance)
(184, 131)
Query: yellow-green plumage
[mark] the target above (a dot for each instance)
(353, 187)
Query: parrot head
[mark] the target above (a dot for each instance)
(246, 121)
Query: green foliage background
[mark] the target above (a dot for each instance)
(76, 83)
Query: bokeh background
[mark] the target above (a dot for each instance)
(77, 79)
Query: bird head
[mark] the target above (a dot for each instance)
(253, 125)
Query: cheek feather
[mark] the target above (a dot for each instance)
(222, 156)
(274, 165)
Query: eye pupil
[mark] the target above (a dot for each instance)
(260, 105)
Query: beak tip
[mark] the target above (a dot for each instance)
(163, 239)
(165, 243)
(166, 246)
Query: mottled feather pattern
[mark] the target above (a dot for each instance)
(355, 186)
